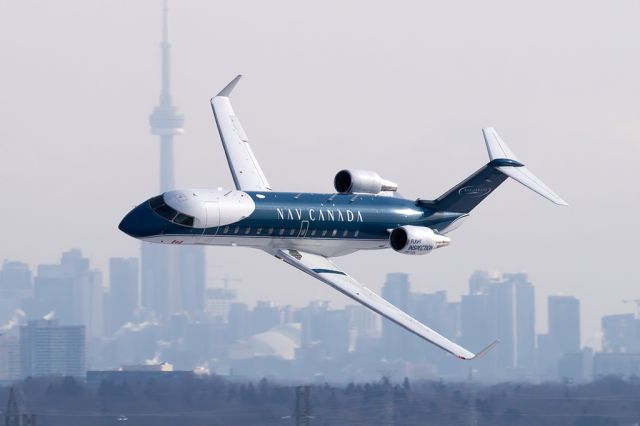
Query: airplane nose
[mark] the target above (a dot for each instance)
(139, 222)
(127, 224)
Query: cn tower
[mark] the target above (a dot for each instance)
(173, 278)
(166, 121)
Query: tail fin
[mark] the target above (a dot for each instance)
(463, 197)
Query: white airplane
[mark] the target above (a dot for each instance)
(307, 229)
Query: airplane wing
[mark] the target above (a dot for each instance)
(326, 271)
(246, 172)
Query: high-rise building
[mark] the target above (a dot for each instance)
(363, 321)
(173, 278)
(71, 292)
(396, 339)
(620, 333)
(443, 317)
(502, 314)
(192, 279)
(218, 303)
(16, 284)
(325, 332)
(239, 322)
(564, 324)
(563, 336)
(124, 291)
(264, 316)
(502, 307)
(10, 368)
(525, 321)
(47, 348)
(15, 276)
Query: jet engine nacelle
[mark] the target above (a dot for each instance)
(361, 181)
(416, 240)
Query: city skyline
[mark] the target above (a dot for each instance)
(442, 112)
(297, 342)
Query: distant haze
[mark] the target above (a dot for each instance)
(403, 91)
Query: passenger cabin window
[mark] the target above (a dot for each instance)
(158, 205)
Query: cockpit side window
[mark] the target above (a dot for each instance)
(156, 202)
(160, 207)
(166, 212)
(183, 219)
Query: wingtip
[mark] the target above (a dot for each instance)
(483, 352)
(229, 87)
(486, 350)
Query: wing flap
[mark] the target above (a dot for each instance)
(245, 169)
(326, 271)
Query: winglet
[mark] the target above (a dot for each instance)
(229, 87)
(484, 351)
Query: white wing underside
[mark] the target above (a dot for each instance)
(245, 170)
(326, 271)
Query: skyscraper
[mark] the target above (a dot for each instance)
(70, 291)
(15, 285)
(525, 320)
(503, 307)
(396, 339)
(563, 336)
(173, 278)
(47, 348)
(123, 293)
(620, 333)
(564, 324)
(10, 368)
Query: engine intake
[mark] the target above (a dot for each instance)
(362, 181)
(416, 240)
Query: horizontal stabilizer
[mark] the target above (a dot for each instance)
(504, 160)
(528, 179)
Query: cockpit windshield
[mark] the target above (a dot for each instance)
(160, 207)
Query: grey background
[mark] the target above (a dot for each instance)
(402, 88)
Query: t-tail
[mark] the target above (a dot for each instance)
(463, 197)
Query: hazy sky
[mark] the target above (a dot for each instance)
(402, 88)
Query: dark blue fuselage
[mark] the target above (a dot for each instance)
(301, 215)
